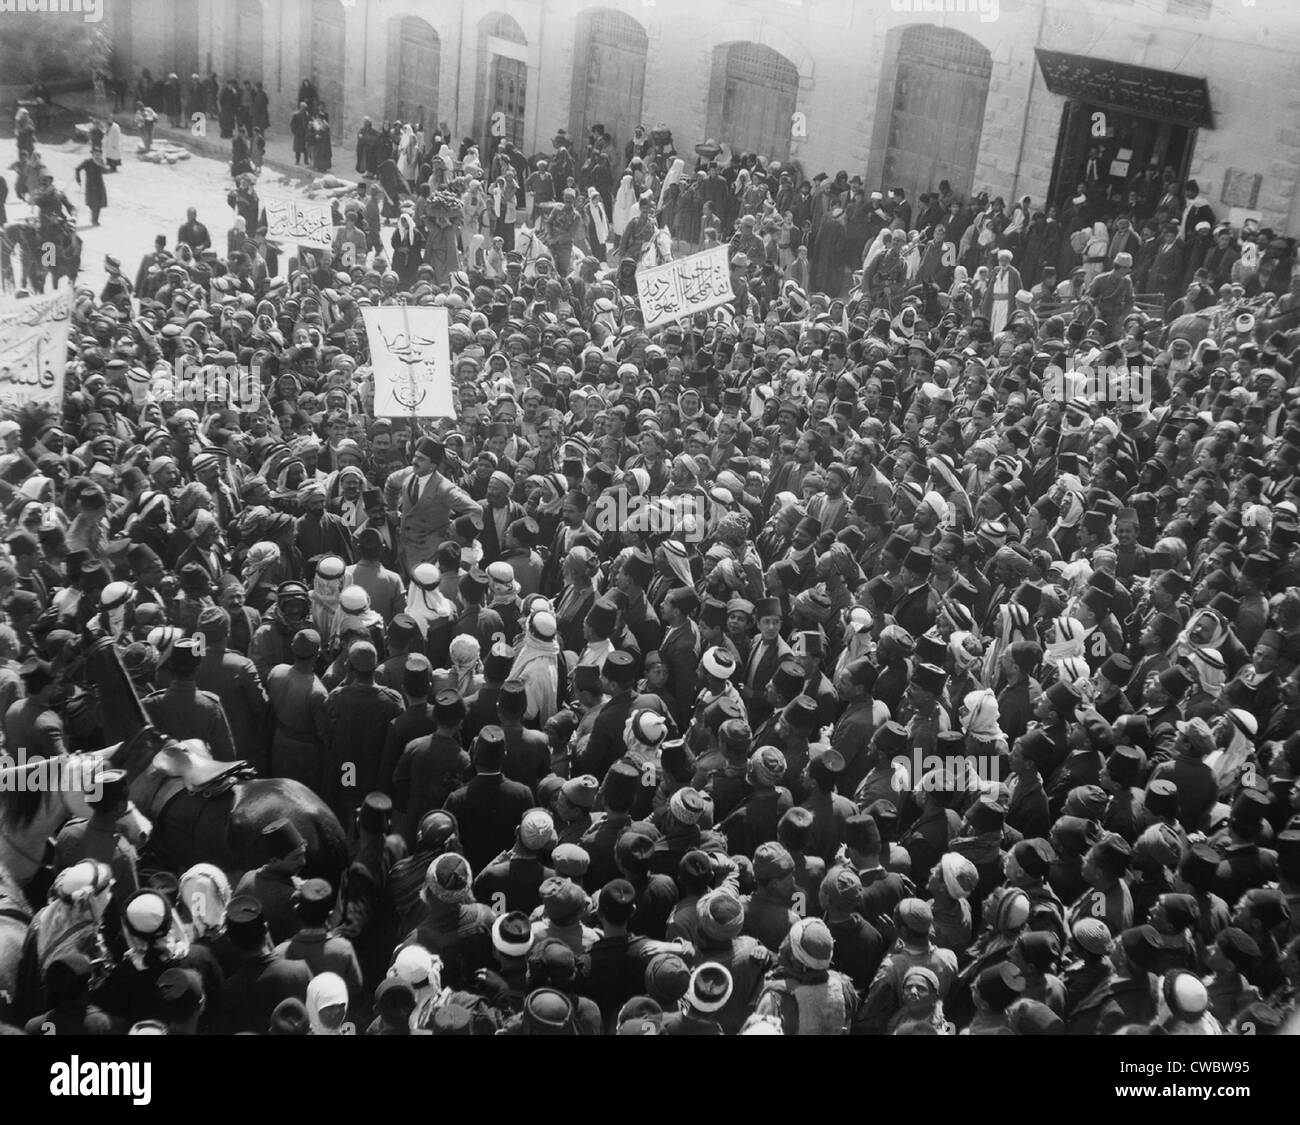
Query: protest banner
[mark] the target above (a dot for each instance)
(410, 351)
(34, 349)
(301, 222)
(684, 287)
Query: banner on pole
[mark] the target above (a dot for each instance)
(684, 287)
(34, 349)
(410, 351)
(302, 221)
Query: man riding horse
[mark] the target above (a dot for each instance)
(57, 214)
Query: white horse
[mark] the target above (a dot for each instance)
(15, 914)
(529, 245)
(658, 251)
(32, 813)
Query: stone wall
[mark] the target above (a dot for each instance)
(1248, 52)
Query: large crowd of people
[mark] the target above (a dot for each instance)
(825, 663)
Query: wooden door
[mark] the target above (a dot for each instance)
(418, 62)
(760, 88)
(328, 60)
(248, 41)
(185, 58)
(940, 90)
(507, 94)
(615, 47)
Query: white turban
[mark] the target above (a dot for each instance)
(936, 504)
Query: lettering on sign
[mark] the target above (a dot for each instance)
(682, 288)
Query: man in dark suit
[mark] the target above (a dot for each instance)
(1015, 707)
(415, 722)
(606, 744)
(483, 710)
(852, 733)
(386, 524)
(765, 656)
(915, 611)
(499, 512)
(1245, 864)
(428, 502)
(233, 679)
(489, 808)
(680, 653)
(640, 618)
(528, 752)
(1196, 210)
(574, 530)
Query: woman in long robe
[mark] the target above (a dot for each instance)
(625, 207)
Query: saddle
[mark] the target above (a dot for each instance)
(191, 764)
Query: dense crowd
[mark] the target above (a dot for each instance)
(839, 660)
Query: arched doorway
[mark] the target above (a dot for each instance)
(329, 58)
(940, 88)
(752, 98)
(414, 65)
(504, 92)
(608, 77)
(248, 41)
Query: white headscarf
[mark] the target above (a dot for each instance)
(205, 891)
(1228, 763)
(1209, 666)
(535, 665)
(959, 648)
(625, 205)
(260, 558)
(464, 652)
(675, 173)
(1068, 640)
(360, 621)
(982, 716)
(325, 601)
(326, 990)
(425, 603)
(1013, 625)
(599, 220)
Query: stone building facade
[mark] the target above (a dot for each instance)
(1020, 97)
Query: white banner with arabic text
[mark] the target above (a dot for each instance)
(410, 351)
(682, 288)
(302, 222)
(34, 349)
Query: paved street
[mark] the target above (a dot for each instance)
(144, 200)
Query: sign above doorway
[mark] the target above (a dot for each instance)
(1132, 89)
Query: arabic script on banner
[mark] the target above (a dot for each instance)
(301, 221)
(684, 287)
(34, 349)
(410, 351)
